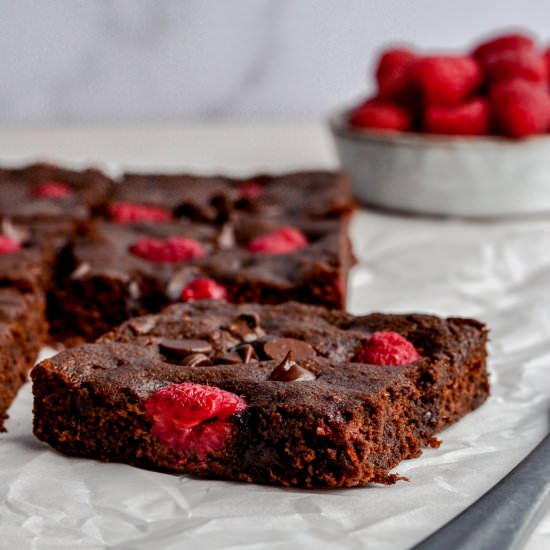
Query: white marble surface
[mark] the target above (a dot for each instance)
(499, 272)
(65, 62)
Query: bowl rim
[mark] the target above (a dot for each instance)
(339, 127)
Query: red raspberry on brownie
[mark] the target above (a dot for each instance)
(172, 249)
(283, 240)
(250, 189)
(447, 80)
(393, 75)
(386, 348)
(520, 108)
(193, 417)
(130, 212)
(381, 115)
(8, 246)
(203, 289)
(51, 190)
(471, 118)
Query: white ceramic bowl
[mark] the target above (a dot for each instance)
(445, 175)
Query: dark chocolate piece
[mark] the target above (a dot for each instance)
(289, 371)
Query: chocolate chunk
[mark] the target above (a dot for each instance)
(81, 271)
(247, 327)
(247, 352)
(228, 358)
(251, 319)
(226, 237)
(142, 325)
(226, 341)
(17, 233)
(196, 359)
(290, 371)
(278, 348)
(182, 347)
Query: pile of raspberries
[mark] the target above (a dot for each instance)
(500, 88)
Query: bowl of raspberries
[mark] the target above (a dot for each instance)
(463, 134)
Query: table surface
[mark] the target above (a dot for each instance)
(496, 271)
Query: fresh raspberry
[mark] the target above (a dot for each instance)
(193, 417)
(172, 249)
(547, 61)
(470, 118)
(514, 41)
(203, 289)
(520, 108)
(250, 190)
(447, 80)
(386, 348)
(129, 212)
(51, 190)
(7, 245)
(283, 240)
(394, 77)
(528, 64)
(380, 114)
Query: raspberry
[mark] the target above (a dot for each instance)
(447, 80)
(283, 240)
(386, 348)
(193, 417)
(520, 108)
(7, 245)
(128, 212)
(507, 64)
(250, 190)
(203, 289)
(51, 190)
(380, 114)
(394, 77)
(513, 41)
(172, 249)
(547, 61)
(470, 118)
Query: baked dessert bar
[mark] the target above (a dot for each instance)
(266, 239)
(285, 394)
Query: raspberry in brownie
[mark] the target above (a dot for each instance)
(283, 238)
(131, 269)
(313, 194)
(48, 192)
(265, 394)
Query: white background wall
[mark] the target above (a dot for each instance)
(98, 61)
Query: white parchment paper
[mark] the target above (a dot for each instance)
(498, 272)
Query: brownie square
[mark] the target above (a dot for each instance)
(23, 330)
(279, 394)
(100, 283)
(24, 200)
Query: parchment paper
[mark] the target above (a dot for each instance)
(498, 272)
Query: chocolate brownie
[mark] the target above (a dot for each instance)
(101, 281)
(45, 192)
(312, 194)
(267, 394)
(23, 330)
